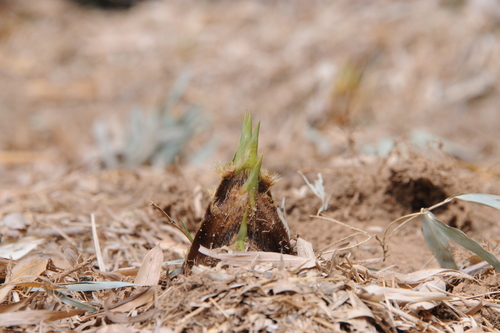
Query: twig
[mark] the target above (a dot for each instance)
(359, 231)
(384, 242)
(70, 270)
(64, 235)
(324, 323)
(342, 224)
(172, 222)
(100, 259)
(441, 203)
(218, 307)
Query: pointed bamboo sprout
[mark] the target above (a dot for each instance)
(242, 214)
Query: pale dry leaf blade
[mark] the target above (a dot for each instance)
(377, 293)
(19, 248)
(135, 300)
(114, 328)
(95, 237)
(436, 284)
(123, 318)
(29, 268)
(311, 186)
(462, 239)
(14, 221)
(423, 275)
(5, 290)
(490, 200)
(281, 214)
(12, 307)
(150, 270)
(247, 258)
(33, 317)
(284, 285)
(90, 286)
(319, 190)
(437, 241)
(305, 249)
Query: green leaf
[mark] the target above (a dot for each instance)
(251, 185)
(246, 134)
(186, 231)
(246, 157)
(490, 200)
(437, 241)
(461, 238)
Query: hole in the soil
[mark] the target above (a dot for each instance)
(414, 194)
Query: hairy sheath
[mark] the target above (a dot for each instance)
(242, 214)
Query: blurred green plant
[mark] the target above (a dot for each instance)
(153, 138)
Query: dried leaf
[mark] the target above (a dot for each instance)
(29, 269)
(19, 248)
(114, 328)
(362, 325)
(91, 286)
(359, 309)
(33, 317)
(14, 221)
(418, 277)
(430, 286)
(319, 190)
(126, 271)
(378, 294)
(4, 291)
(123, 318)
(285, 285)
(95, 237)
(4, 308)
(305, 249)
(149, 273)
(134, 301)
(247, 258)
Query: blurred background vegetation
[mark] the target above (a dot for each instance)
(80, 83)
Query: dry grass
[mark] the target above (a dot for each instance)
(336, 294)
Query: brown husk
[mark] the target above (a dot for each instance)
(224, 215)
